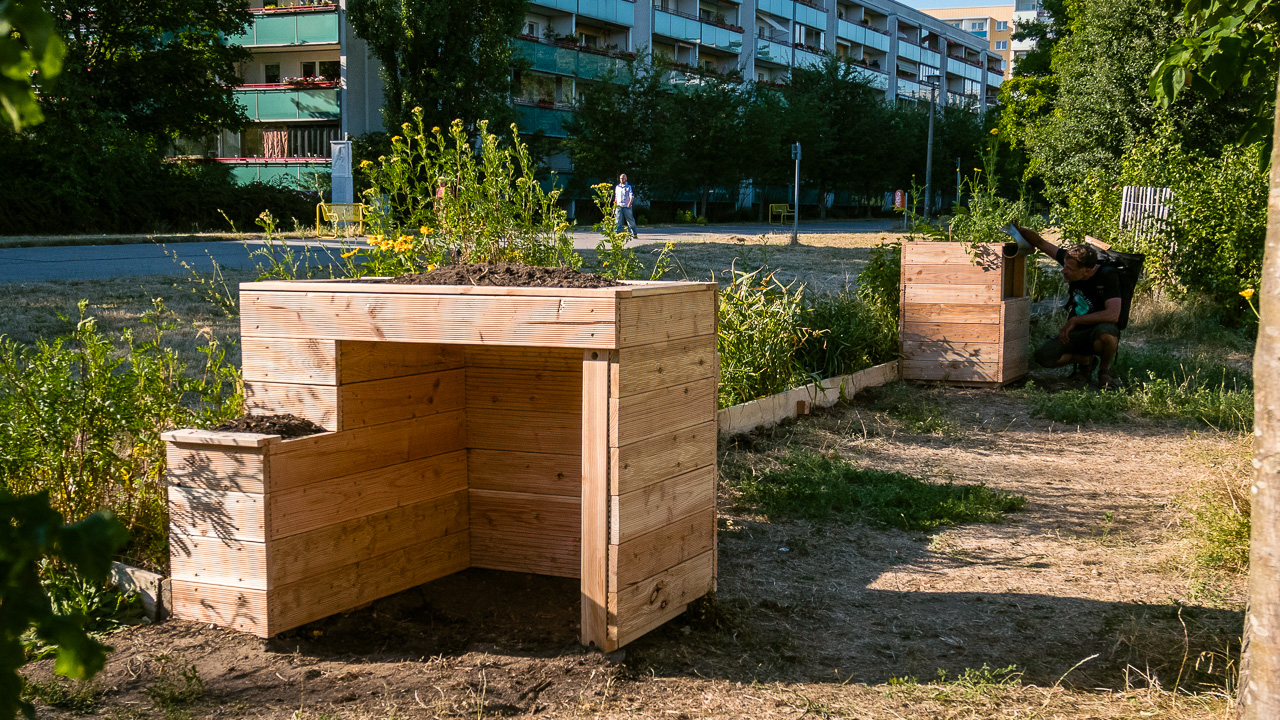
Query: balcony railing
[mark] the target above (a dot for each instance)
(547, 117)
(247, 170)
(304, 25)
(813, 4)
(278, 101)
(708, 21)
(563, 58)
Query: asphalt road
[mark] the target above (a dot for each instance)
(87, 262)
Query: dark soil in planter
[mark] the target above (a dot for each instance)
(506, 275)
(289, 426)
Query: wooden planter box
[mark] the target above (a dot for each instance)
(965, 320)
(567, 432)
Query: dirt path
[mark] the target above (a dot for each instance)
(1078, 607)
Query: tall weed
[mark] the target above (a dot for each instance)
(81, 417)
(759, 333)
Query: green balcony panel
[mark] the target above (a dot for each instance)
(674, 26)
(721, 38)
(284, 28)
(781, 8)
(811, 16)
(548, 120)
(614, 11)
(773, 52)
(245, 173)
(565, 5)
(289, 103)
(595, 67)
(548, 58)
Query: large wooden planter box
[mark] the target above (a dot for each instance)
(965, 320)
(566, 432)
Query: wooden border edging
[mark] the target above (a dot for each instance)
(769, 411)
(155, 590)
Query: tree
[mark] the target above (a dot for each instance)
(709, 151)
(157, 68)
(1038, 61)
(1229, 45)
(28, 45)
(452, 58)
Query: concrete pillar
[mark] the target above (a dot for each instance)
(891, 62)
(747, 55)
(942, 70)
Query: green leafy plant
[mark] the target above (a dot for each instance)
(175, 684)
(758, 334)
(615, 258)
(436, 194)
(32, 532)
(811, 485)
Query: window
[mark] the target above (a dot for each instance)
(272, 74)
(308, 69)
(532, 28)
(1002, 45)
(1002, 25)
(955, 25)
(330, 69)
(978, 25)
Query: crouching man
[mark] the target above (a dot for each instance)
(1091, 336)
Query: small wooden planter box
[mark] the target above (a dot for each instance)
(567, 432)
(965, 320)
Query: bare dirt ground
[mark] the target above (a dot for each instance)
(1080, 606)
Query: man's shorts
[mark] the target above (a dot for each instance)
(1079, 342)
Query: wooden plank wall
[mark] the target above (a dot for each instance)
(662, 457)
(524, 439)
(954, 324)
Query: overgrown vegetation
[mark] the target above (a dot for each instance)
(81, 417)
(816, 486)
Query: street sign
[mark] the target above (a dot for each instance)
(899, 200)
(795, 151)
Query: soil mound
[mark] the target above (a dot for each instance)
(506, 275)
(289, 426)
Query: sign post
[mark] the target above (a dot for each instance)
(795, 215)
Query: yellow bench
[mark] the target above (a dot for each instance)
(333, 213)
(783, 211)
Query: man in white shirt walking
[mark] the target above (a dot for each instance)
(623, 197)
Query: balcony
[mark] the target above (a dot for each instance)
(620, 12)
(918, 53)
(811, 15)
(807, 56)
(247, 170)
(863, 35)
(769, 50)
(693, 29)
(572, 60)
(302, 25)
(313, 101)
(547, 117)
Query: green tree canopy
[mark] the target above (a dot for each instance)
(451, 58)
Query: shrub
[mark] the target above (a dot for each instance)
(81, 417)
(759, 332)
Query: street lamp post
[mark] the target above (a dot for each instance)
(928, 154)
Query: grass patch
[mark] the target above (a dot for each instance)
(175, 684)
(920, 411)
(78, 697)
(815, 486)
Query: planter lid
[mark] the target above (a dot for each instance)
(191, 436)
(628, 288)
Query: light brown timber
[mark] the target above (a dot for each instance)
(657, 550)
(289, 360)
(645, 605)
(654, 506)
(532, 472)
(401, 398)
(595, 512)
(364, 361)
(663, 456)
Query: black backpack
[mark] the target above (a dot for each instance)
(1129, 268)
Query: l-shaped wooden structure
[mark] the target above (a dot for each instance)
(567, 432)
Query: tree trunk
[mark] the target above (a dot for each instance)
(1260, 668)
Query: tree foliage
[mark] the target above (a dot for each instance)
(452, 59)
(28, 46)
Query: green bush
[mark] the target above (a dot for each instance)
(759, 333)
(815, 486)
(81, 417)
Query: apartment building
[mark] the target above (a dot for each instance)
(311, 80)
(993, 23)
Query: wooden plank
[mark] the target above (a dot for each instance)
(1017, 318)
(639, 608)
(653, 552)
(661, 318)
(237, 608)
(372, 285)
(318, 403)
(376, 577)
(523, 358)
(509, 470)
(217, 514)
(949, 253)
(512, 551)
(289, 360)
(510, 429)
(213, 438)
(327, 548)
(663, 456)
(238, 469)
(959, 294)
(941, 350)
(548, 515)
(328, 502)
(1015, 359)
(365, 361)
(581, 322)
(948, 275)
(660, 504)
(643, 288)
(649, 367)
(950, 370)
(637, 417)
(951, 332)
(235, 563)
(321, 457)
(597, 367)
(401, 398)
(543, 390)
(988, 313)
